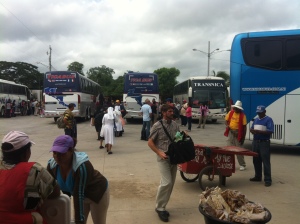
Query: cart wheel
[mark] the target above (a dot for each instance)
(207, 179)
(188, 177)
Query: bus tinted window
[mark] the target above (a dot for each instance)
(293, 54)
(263, 53)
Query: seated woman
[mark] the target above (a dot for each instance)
(23, 185)
(76, 176)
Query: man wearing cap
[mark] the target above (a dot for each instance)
(236, 122)
(262, 129)
(23, 185)
(76, 176)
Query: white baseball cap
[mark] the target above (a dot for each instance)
(17, 138)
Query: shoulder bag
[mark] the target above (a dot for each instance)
(181, 151)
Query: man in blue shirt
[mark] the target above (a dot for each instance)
(146, 111)
(262, 129)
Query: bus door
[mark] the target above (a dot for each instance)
(292, 121)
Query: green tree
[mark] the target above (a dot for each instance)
(104, 76)
(116, 88)
(167, 81)
(225, 76)
(21, 73)
(76, 67)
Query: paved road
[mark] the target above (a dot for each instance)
(133, 174)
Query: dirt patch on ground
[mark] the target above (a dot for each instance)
(132, 189)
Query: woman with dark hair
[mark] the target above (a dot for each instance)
(23, 185)
(76, 176)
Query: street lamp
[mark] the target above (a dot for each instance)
(208, 53)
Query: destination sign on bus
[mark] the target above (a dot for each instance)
(141, 80)
(54, 77)
(206, 83)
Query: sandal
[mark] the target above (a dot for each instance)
(110, 152)
(101, 147)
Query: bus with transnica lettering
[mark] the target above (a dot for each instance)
(64, 87)
(198, 90)
(265, 70)
(13, 93)
(139, 86)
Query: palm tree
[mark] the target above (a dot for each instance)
(225, 76)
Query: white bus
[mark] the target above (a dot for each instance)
(137, 88)
(15, 93)
(64, 87)
(199, 90)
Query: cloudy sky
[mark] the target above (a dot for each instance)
(138, 35)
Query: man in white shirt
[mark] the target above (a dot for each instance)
(146, 111)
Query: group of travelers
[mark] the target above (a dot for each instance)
(23, 108)
(72, 172)
(108, 122)
(262, 129)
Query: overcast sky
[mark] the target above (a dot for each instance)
(138, 35)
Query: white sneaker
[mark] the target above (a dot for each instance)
(242, 168)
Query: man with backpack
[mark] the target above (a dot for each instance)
(70, 122)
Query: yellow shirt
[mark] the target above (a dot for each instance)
(234, 122)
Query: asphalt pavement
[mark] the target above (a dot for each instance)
(134, 177)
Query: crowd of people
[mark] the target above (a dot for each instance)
(71, 171)
(23, 108)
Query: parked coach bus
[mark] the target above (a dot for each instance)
(199, 90)
(137, 88)
(64, 87)
(265, 70)
(14, 92)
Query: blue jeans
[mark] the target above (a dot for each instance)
(263, 160)
(189, 122)
(146, 126)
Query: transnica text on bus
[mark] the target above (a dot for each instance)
(204, 84)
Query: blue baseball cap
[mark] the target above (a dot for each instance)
(62, 144)
(260, 109)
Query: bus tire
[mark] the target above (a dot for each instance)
(213, 120)
(208, 179)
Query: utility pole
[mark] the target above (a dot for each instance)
(49, 58)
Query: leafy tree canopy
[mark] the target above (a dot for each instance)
(76, 67)
(21, 73)
(167, 81)
(102, 75)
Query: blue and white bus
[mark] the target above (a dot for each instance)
(265, 70)
(198, 90)
(137, 88)
(64, 87)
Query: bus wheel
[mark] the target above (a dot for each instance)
(2, 112)
(214, 120)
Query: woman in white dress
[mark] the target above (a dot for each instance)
(107, 130)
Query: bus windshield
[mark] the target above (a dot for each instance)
(213, 98)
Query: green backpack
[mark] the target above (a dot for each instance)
(60, 122)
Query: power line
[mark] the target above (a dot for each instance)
(27, 29)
